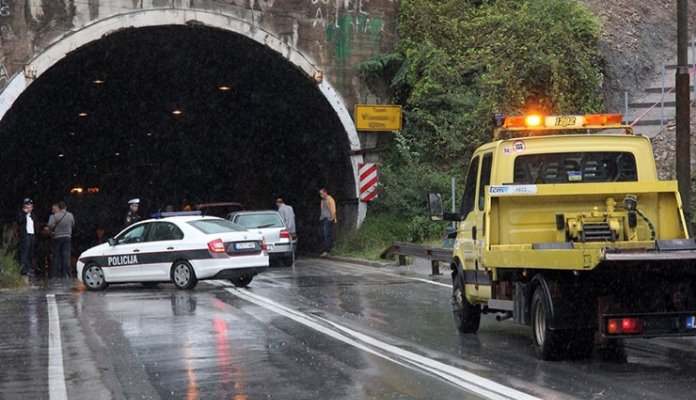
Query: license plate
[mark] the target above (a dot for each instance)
(245, 245)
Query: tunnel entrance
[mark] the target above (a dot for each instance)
(167, 114)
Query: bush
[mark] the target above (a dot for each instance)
(380, 230)
(9, 267)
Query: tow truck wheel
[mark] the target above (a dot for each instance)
(183, 275)
(547, 342)
(467, 316)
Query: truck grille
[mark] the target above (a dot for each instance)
(597, 232)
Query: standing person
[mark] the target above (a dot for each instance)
(61, 223)
(327, 219)
(132, 216)
(288, 214)
(25, 223)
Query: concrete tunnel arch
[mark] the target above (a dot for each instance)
(352, 214)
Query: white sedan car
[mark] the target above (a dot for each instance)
(181, 249)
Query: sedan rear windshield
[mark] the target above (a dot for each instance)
(210, 226)
(575, 167)
(259, 221)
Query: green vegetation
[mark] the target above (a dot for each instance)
(380, 230)
(456, 63)
(9, 267)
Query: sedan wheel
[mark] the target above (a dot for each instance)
(183, 275)
(93, 277)
(242, 281)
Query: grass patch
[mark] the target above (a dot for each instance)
(379, 231)
(9, 266)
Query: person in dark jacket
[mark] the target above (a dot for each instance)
(26, 227)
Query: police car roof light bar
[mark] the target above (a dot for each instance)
(176, 214)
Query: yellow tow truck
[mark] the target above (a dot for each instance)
(565, 226)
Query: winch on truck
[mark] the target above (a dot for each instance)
(565, 226)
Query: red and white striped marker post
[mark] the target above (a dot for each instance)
(368, 181)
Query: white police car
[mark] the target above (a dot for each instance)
(179, 249)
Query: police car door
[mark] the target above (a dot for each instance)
(121, 262)
(162, 246)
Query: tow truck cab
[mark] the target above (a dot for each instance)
(565, 226)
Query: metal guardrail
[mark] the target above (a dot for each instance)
(436, 255)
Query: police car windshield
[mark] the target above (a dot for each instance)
(211, 226)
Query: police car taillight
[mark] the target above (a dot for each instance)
(216, 246)
(264, 246)
(284, 234)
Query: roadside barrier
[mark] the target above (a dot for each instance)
(436, 255)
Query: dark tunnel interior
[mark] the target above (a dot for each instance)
(251, 127)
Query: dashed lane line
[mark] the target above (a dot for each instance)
(56, 374)
(466, 380)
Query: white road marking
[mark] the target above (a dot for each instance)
(459, 377)
(56, 374)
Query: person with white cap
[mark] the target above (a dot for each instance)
(133, 216)
(25, 223)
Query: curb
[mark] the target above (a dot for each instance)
(359, 261)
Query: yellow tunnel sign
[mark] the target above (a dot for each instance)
(377, 117)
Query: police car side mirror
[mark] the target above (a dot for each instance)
(112, 242)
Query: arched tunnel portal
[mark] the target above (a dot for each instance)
(173, 112)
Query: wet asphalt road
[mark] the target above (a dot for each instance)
(319, 330)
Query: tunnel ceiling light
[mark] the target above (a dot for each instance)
(72, 134)
(61, 155)
(98, 81)
(117, 154)
(223, 87)
(177, 111)
(148, 134)
(82, 114)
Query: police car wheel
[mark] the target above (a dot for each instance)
(183, 275)
(93, 277)
(242, 281)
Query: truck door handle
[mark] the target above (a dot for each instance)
(170, 248)
(473, 233)
(136, 251)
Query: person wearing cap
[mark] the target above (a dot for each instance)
(288, 215)
(25, 223)
(132, 216)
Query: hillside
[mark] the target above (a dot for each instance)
(638, 37)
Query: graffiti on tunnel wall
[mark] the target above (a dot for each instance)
(336, 34)
(4, 8)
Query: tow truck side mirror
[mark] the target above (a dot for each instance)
(112, 242)
(435, 209)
